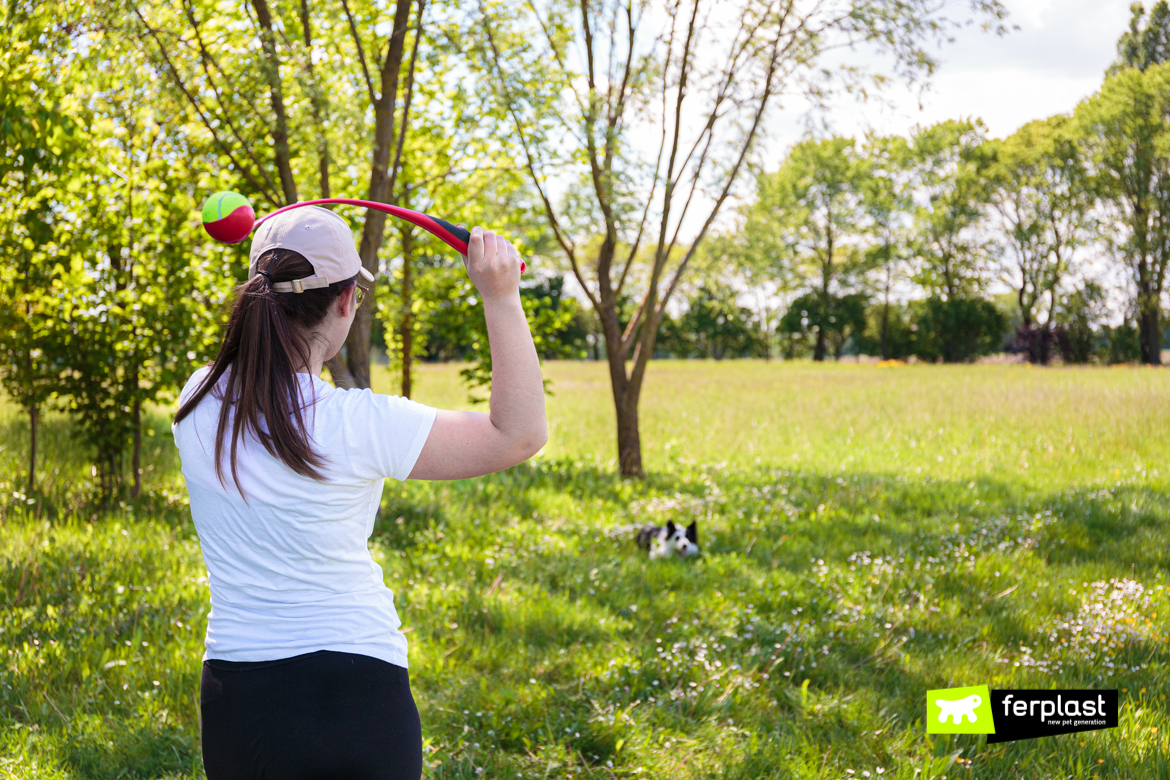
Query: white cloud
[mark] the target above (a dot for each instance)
(1057, 57)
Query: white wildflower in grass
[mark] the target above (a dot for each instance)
(1115, 617)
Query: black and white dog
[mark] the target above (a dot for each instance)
(670, 539)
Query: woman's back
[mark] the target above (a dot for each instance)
(288, 562)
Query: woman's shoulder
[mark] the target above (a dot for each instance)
(364, 403)
(193, 383)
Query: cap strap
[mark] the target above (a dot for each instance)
(300, 285)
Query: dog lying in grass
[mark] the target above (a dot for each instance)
(669, 539)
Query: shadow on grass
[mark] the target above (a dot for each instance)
(105, 748)
(66, 487)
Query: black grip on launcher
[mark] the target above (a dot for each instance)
(462, 233)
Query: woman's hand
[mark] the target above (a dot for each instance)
(493, 264)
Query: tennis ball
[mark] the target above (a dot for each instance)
(228, 217)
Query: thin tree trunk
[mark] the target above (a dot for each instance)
(406, 324)
(381, 189)
(271, 70)
(886, 329)
(1026, 320)
(318, 102)
(136, 455)
(1151, 337)
(826, 277)
(339, 370)
(34, 416)
(886, 307)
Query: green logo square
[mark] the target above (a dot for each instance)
(959, 711)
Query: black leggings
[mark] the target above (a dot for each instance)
(320, 715)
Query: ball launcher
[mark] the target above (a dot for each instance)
(229, 219)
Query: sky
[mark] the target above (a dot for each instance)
(1057, 57)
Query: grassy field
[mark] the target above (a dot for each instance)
(868, 533)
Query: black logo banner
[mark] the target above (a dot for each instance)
(1028, 714)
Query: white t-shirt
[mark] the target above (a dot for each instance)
(289, 568)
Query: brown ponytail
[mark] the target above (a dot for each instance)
(266, 342)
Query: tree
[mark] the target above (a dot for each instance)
(450, 157)
(39, 138)
(828, 320)
(246, 100)
(1125, 128)
(1041, 197)
(887, 202)
(1079, 315)
(956, 330)
(585, 85)
(953, 257)
(714, 326)
(812, 208)
(1140, 47)
(103, 289)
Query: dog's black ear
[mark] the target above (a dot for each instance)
(693, 532)
(670, 528)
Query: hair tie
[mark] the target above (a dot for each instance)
(266, 275)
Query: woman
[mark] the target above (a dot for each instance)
(305, 670)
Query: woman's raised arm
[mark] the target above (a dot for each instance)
(471, 444)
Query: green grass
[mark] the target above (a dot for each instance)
(868, 534)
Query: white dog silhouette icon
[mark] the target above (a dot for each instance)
(958, 708)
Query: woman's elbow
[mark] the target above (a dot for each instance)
(532, 443)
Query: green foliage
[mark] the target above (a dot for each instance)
(1144, 45)
(714, 326)
(449, 324)
(950, 160)
(1125, 129)
(104, 305)
(38, 141)
(836, 318)
(958, 330)
(1042, 195)
(811, 215)
(1123, 344)
(1079, 316)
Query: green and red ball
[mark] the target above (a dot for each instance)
(228, 217)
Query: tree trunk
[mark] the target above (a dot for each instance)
(1151, 337)
(626, 391)
(357, 344)
(271, 70)
(34, 416)
(885, 329)
(819, 348)
(629, 438)
(136, 455)
(317, 102)
(339, 370)
(406, 325)
(823, 314)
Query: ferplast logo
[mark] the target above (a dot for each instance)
(1007, 716)
(959, 711)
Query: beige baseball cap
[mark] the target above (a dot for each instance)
(322, 237)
